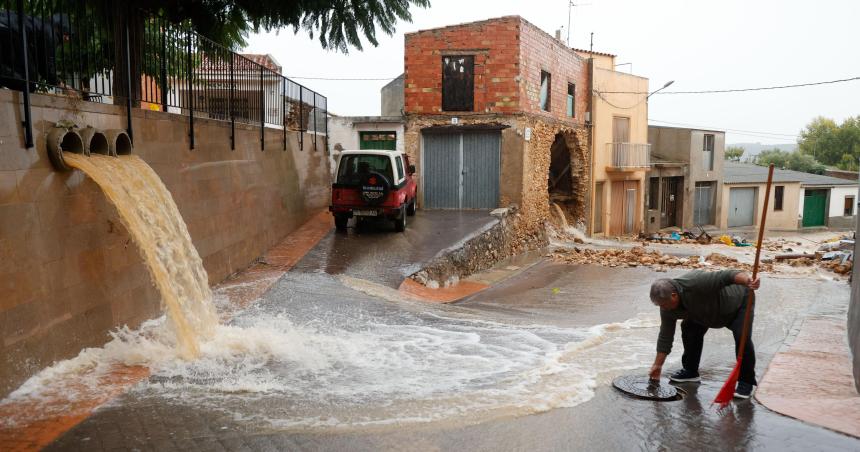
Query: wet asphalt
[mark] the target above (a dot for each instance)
(373, 251)
(546, 293)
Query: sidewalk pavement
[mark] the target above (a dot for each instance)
(811, 379)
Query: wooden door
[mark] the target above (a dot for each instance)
(624, 208)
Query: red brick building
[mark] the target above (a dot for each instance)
(496, 115)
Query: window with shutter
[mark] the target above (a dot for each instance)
(458, 83)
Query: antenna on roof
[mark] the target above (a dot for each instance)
(570, 6)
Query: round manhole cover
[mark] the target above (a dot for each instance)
(645, 388)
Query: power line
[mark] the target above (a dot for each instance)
(738, 90)
(752, 133)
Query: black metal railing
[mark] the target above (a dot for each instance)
(102, 51)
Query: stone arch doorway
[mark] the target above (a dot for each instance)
(567, 177)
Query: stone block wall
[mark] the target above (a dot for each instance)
(69, 271)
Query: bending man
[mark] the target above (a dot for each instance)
(703, 300)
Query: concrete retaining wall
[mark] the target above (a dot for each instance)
(68, 270)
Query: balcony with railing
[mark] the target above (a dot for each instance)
(629, 156)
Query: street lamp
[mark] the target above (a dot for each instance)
(661, 88)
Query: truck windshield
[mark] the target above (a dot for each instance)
(354, 167)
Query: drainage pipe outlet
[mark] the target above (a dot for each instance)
(119, 142)
(62, 140)
(95, 141)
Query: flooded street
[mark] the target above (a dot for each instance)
(525, 365)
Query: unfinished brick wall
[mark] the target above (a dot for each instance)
(541, 52)
(494, 43)
(509, 55)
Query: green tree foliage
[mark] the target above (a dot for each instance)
(832, 143)
(734, 153)
(790, 160)
(339, 24)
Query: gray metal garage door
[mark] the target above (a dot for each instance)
(741, 207)
(703, 206)
(461, 170)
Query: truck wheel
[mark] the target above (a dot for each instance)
(340, 222)
(400, 221)
(410, 209)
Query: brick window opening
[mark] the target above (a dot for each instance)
(778, 194)
(708, 152)
(849, 206)
(545, 90)
(571, 100)
(458, 83)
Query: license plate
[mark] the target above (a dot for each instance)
(364, 213)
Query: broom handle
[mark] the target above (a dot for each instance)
(745, 332)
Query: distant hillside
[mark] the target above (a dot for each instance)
(753, 149)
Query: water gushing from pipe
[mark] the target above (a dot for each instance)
(148, 211)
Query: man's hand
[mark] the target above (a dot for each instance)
(754, 284)
(656, 371)
(657, 367)
(745, 279)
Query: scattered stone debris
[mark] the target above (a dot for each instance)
(640, 256)
(779, 245)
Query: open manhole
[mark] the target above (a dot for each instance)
(647, 389)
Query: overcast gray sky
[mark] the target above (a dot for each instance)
(700, 45)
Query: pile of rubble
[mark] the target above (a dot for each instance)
(836, 256)
(676, 237)
(779, 245)
(641, 257)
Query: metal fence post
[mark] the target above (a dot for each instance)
(262, 113)
(232, 112)
(190, 91)
(128, 74)
(284, 110)
(325, 115)
(301, 118)
(164, 68)
(28, 120)
(314, 112)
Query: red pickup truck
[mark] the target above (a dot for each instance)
(372, 185)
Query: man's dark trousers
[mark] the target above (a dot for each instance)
(693, 335)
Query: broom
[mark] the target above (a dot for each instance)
(728, 391)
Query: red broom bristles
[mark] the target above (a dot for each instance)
(728, 390)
